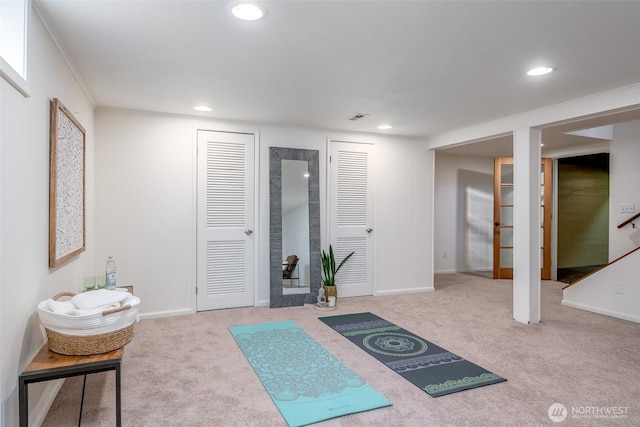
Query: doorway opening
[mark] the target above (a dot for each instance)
(583, 215)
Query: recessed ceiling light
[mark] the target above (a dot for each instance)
(384, 127)
(539, 71)
(203, 108)
(247, 10)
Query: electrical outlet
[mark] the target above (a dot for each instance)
(619, 288)
(444, 254)
(627, 207)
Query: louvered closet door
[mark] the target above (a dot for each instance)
(351, 222)
(226, 200)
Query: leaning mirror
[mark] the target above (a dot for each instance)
(295, 226)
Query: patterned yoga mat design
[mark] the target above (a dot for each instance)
(305, 381)
(429, 367)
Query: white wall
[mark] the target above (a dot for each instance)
(145, 212)
(623, 179)
(463, 213)
(25, 278)
(145, 209)
(615, 291)
(456, 175)
(567, 112)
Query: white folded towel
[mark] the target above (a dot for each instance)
(89, 312)
(98, 298)
(61, 307)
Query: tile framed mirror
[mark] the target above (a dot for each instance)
(294, 207)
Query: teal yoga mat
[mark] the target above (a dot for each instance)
(306, 382)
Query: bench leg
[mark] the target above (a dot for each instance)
(118, 399)
(24, 403)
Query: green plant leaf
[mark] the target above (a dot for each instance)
(329, 269)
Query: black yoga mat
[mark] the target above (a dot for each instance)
(429, 367)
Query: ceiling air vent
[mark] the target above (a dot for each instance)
(357, 117)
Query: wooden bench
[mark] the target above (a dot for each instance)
(47, 365)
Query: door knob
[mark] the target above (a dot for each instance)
(369, 230)
(497, 224)
(248, 232)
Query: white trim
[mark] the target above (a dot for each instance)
(50, 391)
(41, 408)
(63, 52)
(167, 313)
(10, 74)
(432, 224)
(488, 270)
(592, 309)
(12, 77)
(447, 271)
(350, 141)
(554, 221)
(257, 258)
(627, 97)
(419, 290)
(584, 150)
(194, 224)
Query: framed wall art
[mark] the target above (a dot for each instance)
(66, 185)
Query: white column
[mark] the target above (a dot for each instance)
(526, 226)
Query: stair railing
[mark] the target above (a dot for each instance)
(630, 220)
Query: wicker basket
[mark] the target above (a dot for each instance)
(119, 319)
(330, 291)
(75, 345)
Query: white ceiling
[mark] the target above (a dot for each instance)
(426, 67)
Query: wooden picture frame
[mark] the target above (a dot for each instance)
(66, 185)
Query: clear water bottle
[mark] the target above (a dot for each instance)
(110, 274)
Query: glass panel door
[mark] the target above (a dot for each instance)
(504, 191)
(503, 219)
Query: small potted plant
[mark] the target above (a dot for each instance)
(329, 270)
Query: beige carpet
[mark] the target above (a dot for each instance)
(188, 370)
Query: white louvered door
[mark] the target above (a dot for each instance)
(226, 211)
(351, 221)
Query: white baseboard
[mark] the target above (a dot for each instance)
(404, 291)
(470, 270)
(41, 408)
(167, 313)
(602, 311)
(445, 271)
